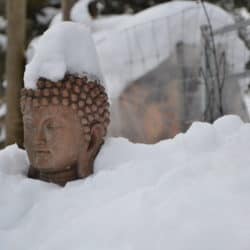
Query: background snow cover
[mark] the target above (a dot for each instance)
(129, 46)
(190, 192)
(148, 38)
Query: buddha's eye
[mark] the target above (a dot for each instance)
(52, 125)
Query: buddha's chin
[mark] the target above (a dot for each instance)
(43, 163)
(46, 165)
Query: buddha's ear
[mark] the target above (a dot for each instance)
(96, 139)
(86, 160)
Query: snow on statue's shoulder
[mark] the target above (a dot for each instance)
(65, 47)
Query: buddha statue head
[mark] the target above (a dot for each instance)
(65, 123)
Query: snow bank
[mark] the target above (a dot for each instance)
(65, 47)
(191, 192)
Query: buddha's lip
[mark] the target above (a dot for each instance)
(42, 151)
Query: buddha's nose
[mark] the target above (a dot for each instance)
(40, 137)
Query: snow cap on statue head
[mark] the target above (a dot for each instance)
(66, 47)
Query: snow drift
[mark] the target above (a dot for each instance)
(190, 192)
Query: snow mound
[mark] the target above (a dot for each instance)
(65, 47)
(190, 192)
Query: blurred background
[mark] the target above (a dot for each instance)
(166, 63)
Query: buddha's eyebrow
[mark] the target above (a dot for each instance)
(54, 119)
(27, 118)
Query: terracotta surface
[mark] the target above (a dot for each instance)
(64, 127)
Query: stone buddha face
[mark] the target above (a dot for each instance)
(64, 127)
(53, 137)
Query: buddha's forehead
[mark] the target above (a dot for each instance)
(58, 112)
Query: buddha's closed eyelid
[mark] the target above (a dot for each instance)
(52, 124)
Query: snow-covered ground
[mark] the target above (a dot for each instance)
(190, 192)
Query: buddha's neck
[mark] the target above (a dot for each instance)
(63, 176)
(60, 177)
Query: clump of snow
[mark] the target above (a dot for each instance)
(3, 23)
(46, 15)
(190, 192)
(30, 52)
(3, 42)
(56, 19)
(3, 109)
(243, 12)
(4, 83)
(79, 14)
(2, 134)
(65, 47)
(247, 102)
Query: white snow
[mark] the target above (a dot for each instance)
(3, 23)
(3, 42)
(3, 109)
(56, 19)
(2, 134)
(65, 47)
(48, 13)
(129, 46)
(30, 52)
(4, 83)
(190, 192)
(143, 41)
(79, 14)
(108, 22)
(246, 99)
(243, 12)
